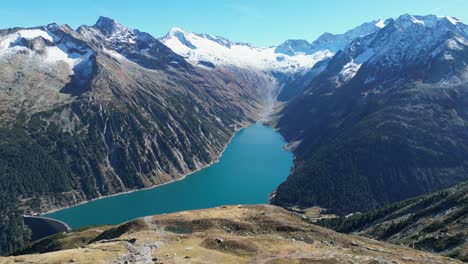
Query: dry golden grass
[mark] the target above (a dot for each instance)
(232, 234)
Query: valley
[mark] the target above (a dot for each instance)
(103, 124)
(251, 166)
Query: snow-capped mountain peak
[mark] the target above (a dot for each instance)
(47, 44)
(205, 49)
(405, 41)
(109, 26)
(124, 43)
(444, 23)
(179, 34)
(174, 31)
(330, 42)
(184, 35)
(380, 23)
(294, 46)
(114, 31)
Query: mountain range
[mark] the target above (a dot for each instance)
(374, 115)
(385, 100)
(386, 118)
(105, 109)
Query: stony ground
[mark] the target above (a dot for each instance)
(230, 234)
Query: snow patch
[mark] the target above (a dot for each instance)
(114, 54)
(453, 45)
(448, 57)
(453, 20)
(51, 53)
(417, 21)
(26, 34)
(349, 71)
(380, 23)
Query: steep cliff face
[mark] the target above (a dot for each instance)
(230, 234)
(385, 119)
(107, 109)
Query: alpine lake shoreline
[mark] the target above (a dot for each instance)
(261, 126)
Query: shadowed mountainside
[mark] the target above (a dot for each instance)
(435, 222)
(383, 120)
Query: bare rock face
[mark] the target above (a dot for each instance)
(230, 234)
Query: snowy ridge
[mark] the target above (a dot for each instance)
(407, 34)
(221, 52)
(407, 40)
(44, 44)
(336, 42)
(289, 57)
(129, 44)
(107, 32)
(330, 42)
(388, 43)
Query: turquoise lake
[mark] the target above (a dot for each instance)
(252, 166)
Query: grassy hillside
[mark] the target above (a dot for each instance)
(228, 234)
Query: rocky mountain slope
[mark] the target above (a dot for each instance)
(112, 108)
(383, 120)
(435, 222)
(233, 234)
(263, 67)
(106, 109)
(327, 43)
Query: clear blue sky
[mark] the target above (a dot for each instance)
(260, 22)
